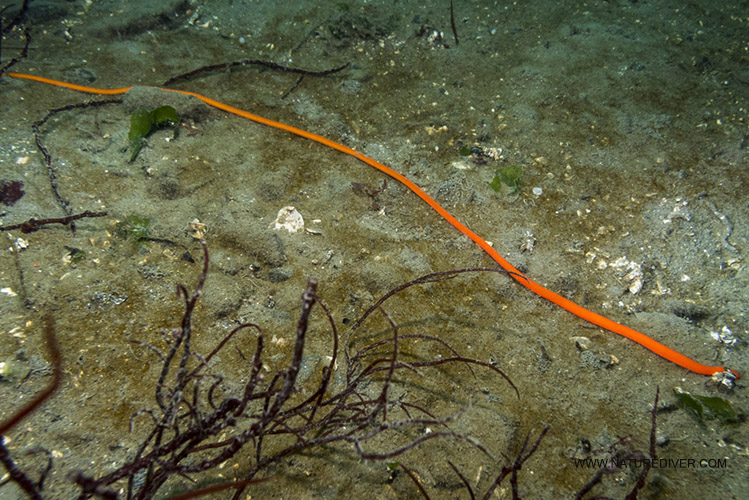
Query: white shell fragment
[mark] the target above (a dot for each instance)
(634, 273)
(725, 378)
(528, 242)
(290, 219)
(198, 229)
(725, 336)
(582, 343)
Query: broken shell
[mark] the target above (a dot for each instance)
(290, 219)
(725, 378)
(725, 336)
(634, 273)
(582, 343)
(528, 243)
(20, 244)
(198, 229)
(635, 286)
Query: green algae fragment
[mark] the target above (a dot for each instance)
(76, 254)
(165, 115)
(144, 122)
(134, 227)
(140, 124)
(703, 407)
(720, 408)
(688, 402)
(508, 176)
(138, 227)
(140, 127)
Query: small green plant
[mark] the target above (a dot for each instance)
(76, 254)
(703, 407)
(509, 177)
(144, 122)
(134, 227)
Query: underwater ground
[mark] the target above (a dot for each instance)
(615, 133)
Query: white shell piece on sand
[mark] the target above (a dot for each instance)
(290, 219)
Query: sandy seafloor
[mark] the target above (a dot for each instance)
(630, 116)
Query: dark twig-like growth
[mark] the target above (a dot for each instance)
(54, 352)
(199, 424)
(627, 456)
(7, 28)
(452, 23)
(32, 488)
(251, 62)
(33, 225)
(51, 172)
(511, 470)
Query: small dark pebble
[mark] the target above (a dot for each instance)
(10, 192)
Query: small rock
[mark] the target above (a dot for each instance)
(290, 219)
